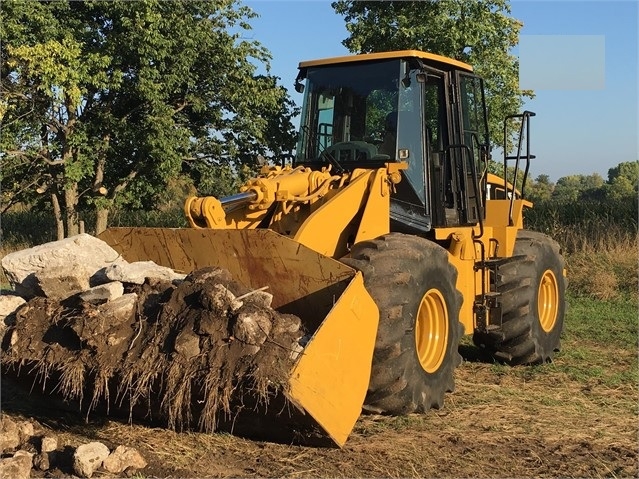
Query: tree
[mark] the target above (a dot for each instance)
(623, 181)
(110, 99)
(577, 187)
(479, 32)
(540, 189)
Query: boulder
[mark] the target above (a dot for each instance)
(87, 458)
(138, 272)
(84, 251)
(60, 282)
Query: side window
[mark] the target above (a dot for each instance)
(434, 119)
(473, 112)
(325, 113)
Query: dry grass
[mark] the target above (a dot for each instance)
(500, 422)
(606, 270)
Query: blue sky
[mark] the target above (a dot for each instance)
(582, 130)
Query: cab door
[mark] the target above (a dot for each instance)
(465, 156)
(471, 142)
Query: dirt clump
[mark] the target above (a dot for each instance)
(182, 351)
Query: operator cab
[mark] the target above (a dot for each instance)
(423, 109)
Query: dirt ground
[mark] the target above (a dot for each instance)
(500, 422)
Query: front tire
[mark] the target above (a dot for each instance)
(413, 284)
(533, 288)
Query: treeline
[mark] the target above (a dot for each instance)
(577, 211)
(586, 211)
(621, 185)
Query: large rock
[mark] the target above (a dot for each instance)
(81, 251)
(87, 458)
(140, 271)
(60, 282)
(123, 458)
(17, 467)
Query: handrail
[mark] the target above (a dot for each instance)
(524, 124)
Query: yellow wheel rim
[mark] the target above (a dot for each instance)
(548, 300)
(431, 330)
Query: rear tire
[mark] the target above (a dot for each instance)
(533, 287)
(413, 284)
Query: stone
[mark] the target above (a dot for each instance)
(187, 344)
(9, 435)
(9, 304)
(286, 323)
(25, 430)
(296, 350)
(103, 292)
(252, 326)
(41, 461)
(61, 282)
(120, 309)
(87, 458)
(219, 299)
(17, 467)
(82, 250)
(122, 459)
(48, 443)
(138, 272)
(259, 298)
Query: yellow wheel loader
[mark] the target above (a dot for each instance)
(386, 235)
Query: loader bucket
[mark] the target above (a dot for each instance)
(328, 382)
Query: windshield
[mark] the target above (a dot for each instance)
(350, 112)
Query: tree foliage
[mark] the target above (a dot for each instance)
(479, 32)
(106, 101)
(622, 185)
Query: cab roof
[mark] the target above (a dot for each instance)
(432, 57)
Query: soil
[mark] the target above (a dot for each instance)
(495, 424)
(189, 356)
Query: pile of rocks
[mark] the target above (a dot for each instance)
(109, 329)
(26, 446)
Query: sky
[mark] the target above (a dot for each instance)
(579, 56)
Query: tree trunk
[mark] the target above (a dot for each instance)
(57, 214)
(102, 215)
(71, 203)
